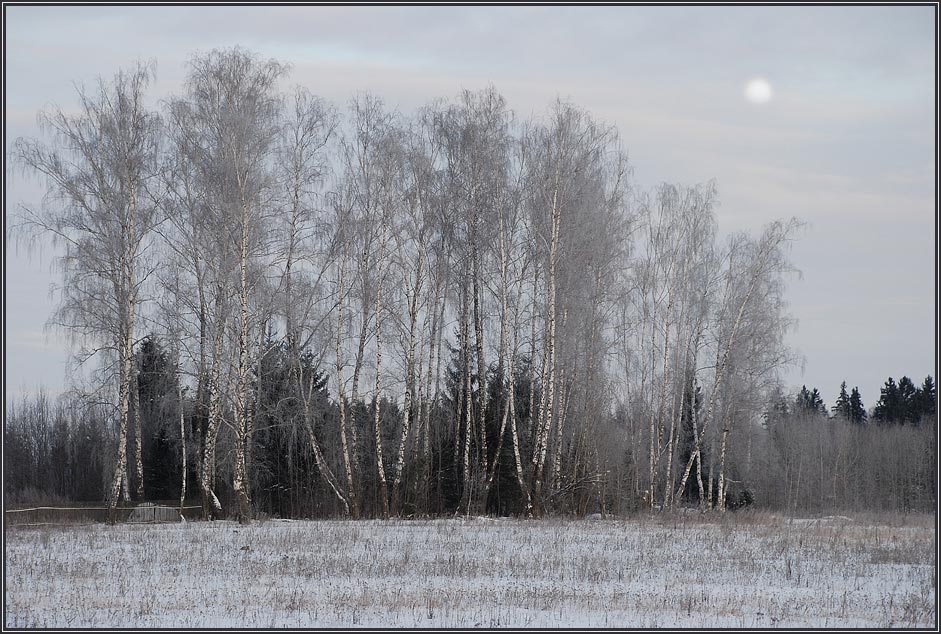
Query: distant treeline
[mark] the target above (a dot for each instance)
(899, 403)
(797, 459)
(848, 457)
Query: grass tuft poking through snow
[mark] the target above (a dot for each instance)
(751, 571)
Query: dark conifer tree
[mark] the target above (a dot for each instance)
(857, 409)
(926, 399)
(286, 481)
(689, 415)
(809, 403)
(842, 406)
(887, 407)
(159, 412)
(908, 402)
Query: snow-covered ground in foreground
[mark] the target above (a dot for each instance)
(752, 572)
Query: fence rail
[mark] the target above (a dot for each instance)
(143, 513)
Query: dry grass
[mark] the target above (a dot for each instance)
(742, 570)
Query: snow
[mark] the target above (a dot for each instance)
(475, 572)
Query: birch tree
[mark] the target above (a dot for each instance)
(98, 170)
(766, 258)
(566, 152)
(233, 112)
(420, 203)
(308, 249)
(370, 154)
(186, 236)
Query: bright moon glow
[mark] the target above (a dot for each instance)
(758, 91)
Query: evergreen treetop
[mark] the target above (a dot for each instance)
(842, 406)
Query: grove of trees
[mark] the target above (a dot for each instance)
(297, 310)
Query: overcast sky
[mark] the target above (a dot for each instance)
(847, 141)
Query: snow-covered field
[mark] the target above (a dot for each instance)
(752, 571)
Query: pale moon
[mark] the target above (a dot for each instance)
(758, 91)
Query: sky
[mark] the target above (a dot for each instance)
(846, 141)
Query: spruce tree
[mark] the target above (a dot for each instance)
(157, 391)
(925, 398)
(818, 404)
(908, 401)
(842, 406)
(809, 402)
(857, 410)
(887, 408)
(802, 401)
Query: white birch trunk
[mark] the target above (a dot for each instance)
(722, 447)
(557, 435)
(424, 433)
(138, 440)
(377, 429)
(240, 478)
(341, 390)
(409, 378)
(179, 399)
(467, 483)
(120, 468)
(504, 354)
(357, 369)
(549, 399)
(514, 435)
(125, 294)
(481, 376)
(211, 506)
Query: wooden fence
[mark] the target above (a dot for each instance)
(144, 512)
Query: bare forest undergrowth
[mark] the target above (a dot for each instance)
(742, 570)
